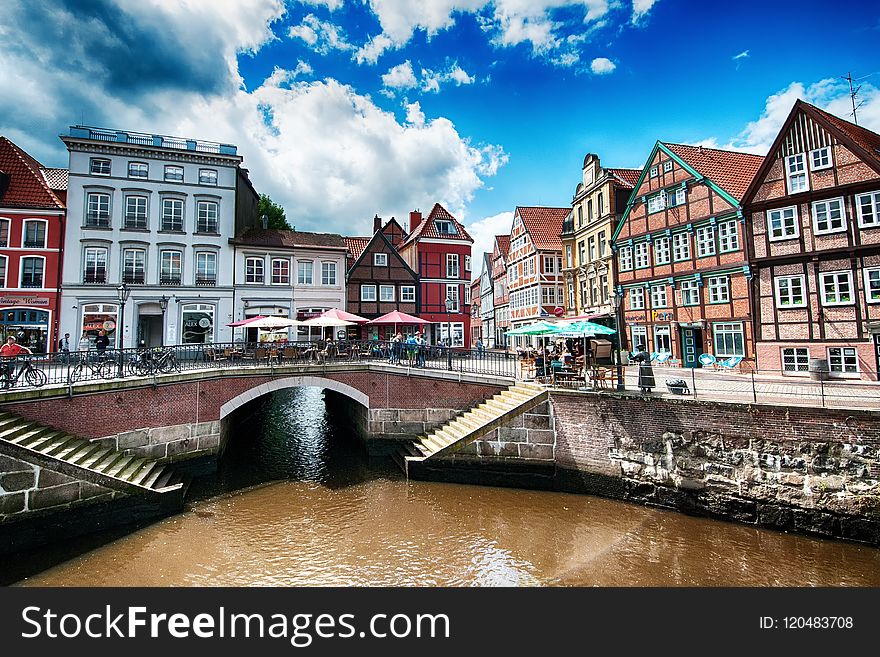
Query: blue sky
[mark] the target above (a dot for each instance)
(343, 109)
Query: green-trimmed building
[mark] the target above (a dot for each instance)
(680, 256)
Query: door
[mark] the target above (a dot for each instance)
(150, 330)
(691, 346)
(877, 353)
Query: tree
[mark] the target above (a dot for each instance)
(268, 208)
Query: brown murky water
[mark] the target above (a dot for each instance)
(332, 518)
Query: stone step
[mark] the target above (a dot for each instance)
(63, 444)
(423, 451)
(81, 451)
(8, 420)
(105, 461)
(138, 478)
(117, 465)
(88, 457)
(37, 440)
(16, 429)
(456, 430)
(164, 480)
(70, 448)
(133, 466)
(29, 434)
(155, 474)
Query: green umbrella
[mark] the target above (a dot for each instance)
(582, 329)
(537, 328)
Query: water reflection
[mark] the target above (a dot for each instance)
(329, 516)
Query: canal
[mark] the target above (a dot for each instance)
(295, 502)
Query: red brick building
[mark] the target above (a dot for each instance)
(32, 213)
(438, 249)
(814, 210)
(476, 320)
(681, 255)
(500, 298)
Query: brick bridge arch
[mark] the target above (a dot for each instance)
(274, 385)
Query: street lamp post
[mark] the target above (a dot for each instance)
(163, 304)
(450, 306)
(617, 300)
(122, 293)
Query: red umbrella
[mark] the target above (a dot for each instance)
(336, 313)
(396, 317)
(243, 322)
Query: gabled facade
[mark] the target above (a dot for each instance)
(680, 254)
(477, 326)
(814, 210)
(587, 262)
(534, 266)
(438, 249)
(500, 298)
(31, 233)
(484, 290)
(379, 280)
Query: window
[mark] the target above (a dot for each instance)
(198, 323)
(580, 216)
(206, 268)
(869, 209)
(97, 316)
(452, 293)
(589, 210)
(3, 261)
(98, 210)
(134, 263)
(728, 236)
(705, 241)
(32, 272)
(467, 263)
(729, 339)
(368, 292)
(4, 233)
(280, 270)
(837, 288)
(457, 333)
(568, 261)
(582, 253)
(138, 170)
(642, 260)
(790, 292)
(681, 246)
(600, 202)
(408, 293)
(304, 272)
(386, 293)
(719, 289)
(636, 298)
(328, 273)
(95, 265)
(844, 360)
(653, 172)
(444, 227)
(34, 234)
(658, 296)
(467, 300)
(170, 267)
(174, 174)
(872, 285)
(584, 298)
(603, 285)
(667, 166)
(639, 336)
(207, 217)
(626, 258)
(451, 265)
(828, 216)
(796, 173)
(782, 224)
(602, 244)
(253, 269)
(208, 177)
(656, 203)
(172, 214)
(380, 259)
(795, 360)
(820, 158)
(662, 339)
(548, 296)
(676, 197)
(571, 295)
(591, 249)
(549, 265)
(135, 212)
(690, 293)
(661, 251)
(511, 275)
(99, 167)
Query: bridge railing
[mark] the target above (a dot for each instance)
(65, 368)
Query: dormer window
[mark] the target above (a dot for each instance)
(667, 166)
(654, 172)
(380, 259)
(444, 227)
(820, 158)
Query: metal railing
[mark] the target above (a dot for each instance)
(67, 368)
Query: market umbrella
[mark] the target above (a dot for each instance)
(583, 329)
(336, 313)
(244, 322)
(536, 328)
(396, 317)
(273, 323)
(327, 321)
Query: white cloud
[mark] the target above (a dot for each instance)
(641, 8)
(484, 231)
(322, 36)
(742, 55)
(281, 76)
(432, 80)
(414, 114)
(371, 51)
(331, 5)
(400, 77)
(602, 66)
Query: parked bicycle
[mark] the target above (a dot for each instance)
(32, 376)
(86, 368)
(150, 361)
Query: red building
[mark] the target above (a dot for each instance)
(438, 248)
(31, 227)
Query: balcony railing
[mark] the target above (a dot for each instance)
(206, 281)
(95, 276)
(135, 221)
(143, 139)
(97, 220)
(210, 227)
(34, 244)
(169, 280)
(32, 281)
(172, 226)
(134, 277)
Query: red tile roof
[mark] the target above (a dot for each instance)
(628, 176)
(731, 171)
(544, 226)
(56, 178)
(869, 141)
(503, 242)
(356, 245)
(26, 186)
(428, 229)
(289, 239)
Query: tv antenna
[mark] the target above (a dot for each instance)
(854, 92)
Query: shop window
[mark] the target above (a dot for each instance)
(198, 323)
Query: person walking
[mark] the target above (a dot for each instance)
(101, 343)
(646, 372)
(421, 345)
(396, 348)
(480, 348)
(64, 348)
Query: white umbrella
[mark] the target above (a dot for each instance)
(273, 323)
(327, 321)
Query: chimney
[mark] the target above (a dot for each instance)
(264, 221)
(415, 218)
(377, 223)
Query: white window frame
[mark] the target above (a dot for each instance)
(568, 256)
(799, 359)
(843, 363)
(690, 293)
(380, 259)
(725, 329)
(304, 267)
(817, 152)
(206, 256)
(179, 272)
(24, 227)
(789, 226)
(667, 166)
(625, 258)
(636, 298)
(705, 241)
(836, 278)
(549, 264)
(386, 294)
(134, 270)
(662, 250)
(795, 167)
(872, 286)
(638, 333)
(42, 259)
(171, 202)
(203, 214)
(208, 177)
(841, 218)
(138, 167)
(452, 293)
(100, 215)
(654, 171)
(258, 277)
(656, 203)
(642, 258)
(778, 285)
(4, 270)
(658, 297)
(137, 200)
(873, 203)
(328, 274)
(681, 248)
(407, 294)
(728, 236)
(368, 292)
(675, 197)
(97, 163)
(95, 254)
(719, 289)
(281, 271)
(452, 270)
(169, 174)
(662, 330)
(467, 263)
(5, 227)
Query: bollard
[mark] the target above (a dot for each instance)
(694, 380)
(754, 390)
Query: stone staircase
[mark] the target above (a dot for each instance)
(88, 461)
(473, 424)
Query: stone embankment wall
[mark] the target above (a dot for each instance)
(168, 444)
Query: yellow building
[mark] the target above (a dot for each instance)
(598, 203)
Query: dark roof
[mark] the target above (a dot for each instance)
(26, 186)
(732, 171)
(867, 140)
(289, 239)
(428, 229)
(503, 242)
(628, 176)
(544, 226)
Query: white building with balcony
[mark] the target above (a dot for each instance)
(154, 213)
